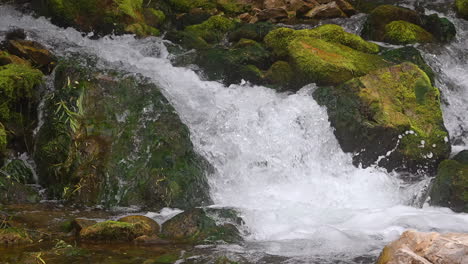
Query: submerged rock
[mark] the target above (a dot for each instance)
(132, 219)
(426, 248)
(196, 226)
(115, 139)
(393, 113)
(13, 236)
(450, 187)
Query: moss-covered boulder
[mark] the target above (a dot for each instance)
(213, 29)
(104, 16)
(132, 219)
(114, 139)
(256, 31)
(14, 236)
(450, 187)
(196, 226)
(400, 25)
(280, 75)
(33, 52)
(391, 116)
(462, 8)
(324, 55)
(114, 231)
(402, 32)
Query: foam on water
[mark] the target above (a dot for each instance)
(275, 155)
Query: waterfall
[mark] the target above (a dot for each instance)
(275, 156)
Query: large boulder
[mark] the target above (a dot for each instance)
(392, 113)
(197, 226)
(462, 8)
(324, 55)
(109, 138)
(400, 25)
(426, 248)
(450, 187)
(115, 231)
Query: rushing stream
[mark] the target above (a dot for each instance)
(275, 156)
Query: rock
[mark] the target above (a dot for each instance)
(212, 30)
(281, 75)
(103, 129)
(330, 10)
(15, 34)
(151, 240)
(392, 112)
(462, 157)
(402, 32)
(272, 14)
(462, 8)
(426, 248)
(256, 32)
(80, 223)
(374, 27)
(346, 7)
(409, 54)
(402, 26)
(34, 52)
(13, 236)
(132, 219)
(195, 226)
(269, 4)
(115, 231)
(450, 187)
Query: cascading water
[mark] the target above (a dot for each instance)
(275, 156)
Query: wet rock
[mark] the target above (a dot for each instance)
(150, 240)
(272, 14)
(346, 7)
(212, 30)
(402, 32)
(13, 183)
(140, 218)
(450, 187)
(462, 8)
(102, 129)
(13, 236)
(330, 10)
(280, 75)
(256, 32)
(34, 52)
(403, 26)
(15, 34)
(392, 112)
(114, 231)
(462, 157)
(426, 248)
(324, 55)
(80, 223)
(195, 226)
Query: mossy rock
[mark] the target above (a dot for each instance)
(186, 5)
(14, 177)
(280, 75)
(462, 157)
(409, 54)
(14, 236)
(105, 17)
(462, 8)
(256, 31)
(196, 226)
(213, 29)
(33, 52)
(400, 25)
(450, 187)
(392, 112)
(114, 231)
(374, 27)
(141, 218)
(245, 60)
(115, 140)
(402, 32)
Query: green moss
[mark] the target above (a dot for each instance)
(450, 187)
(186, 5)
(374, 27)
(17, 81)
(142, 30)
(256, 31)
(213, 29)
(130, 7)
(280, 74)
(326, 63)
(402, 32)
(167, 258)
(232, 7)
(154, 17)
(3, 138)
(462, 8)
(409, 54)
(114, 231)
(278, 41)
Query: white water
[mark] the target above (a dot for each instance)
(275, 155)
